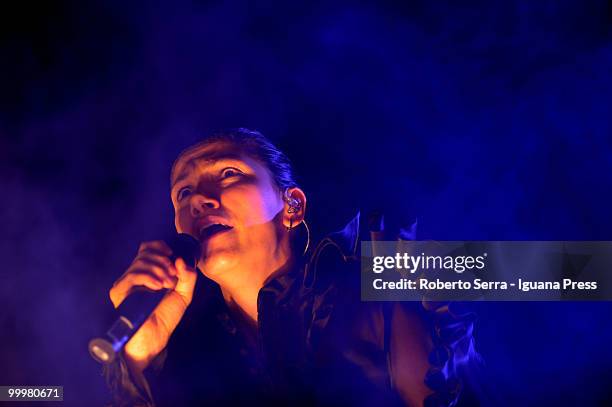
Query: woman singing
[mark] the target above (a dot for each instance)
(271, 321)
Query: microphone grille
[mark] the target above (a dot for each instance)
(187, 247)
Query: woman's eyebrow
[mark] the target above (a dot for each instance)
(211, 161)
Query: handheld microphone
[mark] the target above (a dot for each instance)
(137, 307)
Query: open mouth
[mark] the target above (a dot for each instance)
(212, 230)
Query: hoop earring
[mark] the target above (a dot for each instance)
(307, 233)
(307, 237)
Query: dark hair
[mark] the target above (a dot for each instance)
(256, 146)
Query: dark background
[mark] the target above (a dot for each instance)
(485, 121)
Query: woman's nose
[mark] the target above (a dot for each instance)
(201, 203)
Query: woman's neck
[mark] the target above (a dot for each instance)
(242, 289)
(244, 298)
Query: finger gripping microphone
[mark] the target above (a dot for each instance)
(137, 307)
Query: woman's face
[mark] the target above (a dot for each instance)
(229, 202)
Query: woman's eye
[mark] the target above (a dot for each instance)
(182, 193)
(230, 172)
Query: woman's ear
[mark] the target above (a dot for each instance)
(294, 208)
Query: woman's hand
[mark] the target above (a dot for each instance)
(152, 268)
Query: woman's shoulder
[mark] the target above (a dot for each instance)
(332, 274)
(334, 257)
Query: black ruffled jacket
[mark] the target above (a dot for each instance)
(316, 343)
